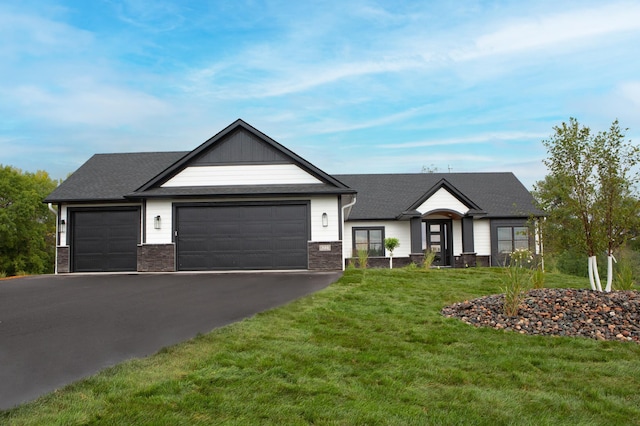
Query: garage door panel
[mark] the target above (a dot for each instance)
(104, 240)
(242, 237)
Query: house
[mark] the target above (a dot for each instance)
(241, 200)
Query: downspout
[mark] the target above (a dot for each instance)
(344, 208)
(55, 265)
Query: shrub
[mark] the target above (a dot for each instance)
(537, 277)
(628, 267)
(429, 257)
(363, 258)
(572, 263)
(411, 267)
(517, 280)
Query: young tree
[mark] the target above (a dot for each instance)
(391, 244)
(27, 227)
(588, 193)
(617, 159)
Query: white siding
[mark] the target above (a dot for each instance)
(457, 237)
(262, 174)
(442, 200)
(482, 237)
(162, 208)
(328, 205)
(392, 229)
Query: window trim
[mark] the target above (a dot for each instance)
(368, 229)
(498, 259)
(512, 239)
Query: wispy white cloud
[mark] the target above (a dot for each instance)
(24, 34)
(554, 31)
(88, 104)
(150, 15)
(473, 139)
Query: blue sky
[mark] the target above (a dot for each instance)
(352, 86)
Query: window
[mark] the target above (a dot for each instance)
(512, 238)
(370, 239)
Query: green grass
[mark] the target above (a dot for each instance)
(372, 349)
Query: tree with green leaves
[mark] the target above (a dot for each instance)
(27, 227)
(391, 244)
(589, 192)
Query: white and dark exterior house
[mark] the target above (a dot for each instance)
(243, 201)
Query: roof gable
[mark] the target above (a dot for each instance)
(236, 145)
(444, 196)
(240, 147)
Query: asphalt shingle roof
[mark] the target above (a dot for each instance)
(109, 177)
(387, 196)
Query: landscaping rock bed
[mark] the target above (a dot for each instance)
(559, 312)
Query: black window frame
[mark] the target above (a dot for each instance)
(502, 259)
(512, 237)
(370, 251)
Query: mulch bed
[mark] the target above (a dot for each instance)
(559, 312)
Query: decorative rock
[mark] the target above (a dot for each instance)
(565, 312)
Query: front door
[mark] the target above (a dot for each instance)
(439, 240)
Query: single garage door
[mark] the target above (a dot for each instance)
(254, 236)
(104, 240)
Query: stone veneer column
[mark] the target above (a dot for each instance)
(63, 259)
(325, 256)
(156, 258)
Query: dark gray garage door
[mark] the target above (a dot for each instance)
(257, 236)
(104, 240)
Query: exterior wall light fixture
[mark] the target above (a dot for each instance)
(325, 220)
(63, 225)
(156, 222)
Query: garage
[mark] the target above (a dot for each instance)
(242, 236)
(104, 240)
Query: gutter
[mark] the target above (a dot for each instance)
(345, 207)
(55, 265)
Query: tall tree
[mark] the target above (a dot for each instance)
(588, 193)
(27, 227)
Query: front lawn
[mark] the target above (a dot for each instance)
(371, 349)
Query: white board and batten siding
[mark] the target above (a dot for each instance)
(263, 174)
(457, 237)
(482, 237)
(443, 200)
(328, 205)
(392, 229)
(164, 209)
(318, 206)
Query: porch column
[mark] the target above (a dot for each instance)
(416, 234)
(467, 235)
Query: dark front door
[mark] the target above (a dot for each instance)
(439, 240)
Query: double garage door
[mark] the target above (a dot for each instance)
(250, 236)
(207, 237)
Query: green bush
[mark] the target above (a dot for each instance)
(572, 263)
(429, 257)
(627, 269)
(363, 259)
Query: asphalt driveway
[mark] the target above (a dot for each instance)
(57, 329)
